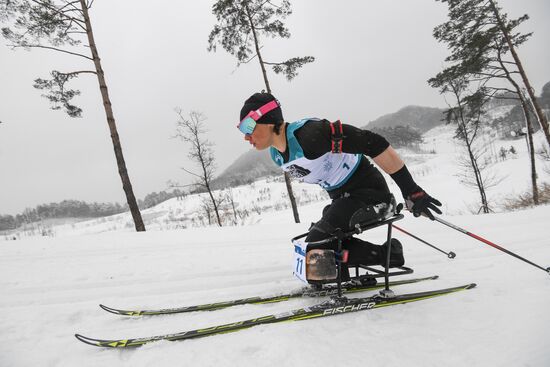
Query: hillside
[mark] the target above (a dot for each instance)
(418, 117)
(247, 168)
(438, 173)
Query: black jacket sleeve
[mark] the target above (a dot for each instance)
(314, 137)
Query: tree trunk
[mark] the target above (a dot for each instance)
(123, 172)
(477, 173)
(256, 44)
(214, 204)
(288, 182)
(292, 198)
(540, 113)
(529, 126)
(206, 176)
(531, 147)
(230, 196)
(473, 161)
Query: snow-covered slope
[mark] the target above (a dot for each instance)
(439, 174)
(51, 286)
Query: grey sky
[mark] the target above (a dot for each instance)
(373, 57)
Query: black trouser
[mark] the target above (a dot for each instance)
(339, 215)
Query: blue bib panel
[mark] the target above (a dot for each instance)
(330, 170)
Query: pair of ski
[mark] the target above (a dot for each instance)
(328, 308)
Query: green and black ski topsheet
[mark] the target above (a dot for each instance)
(328, 308)
(330, 290)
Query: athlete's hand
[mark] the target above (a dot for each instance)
(420, 203)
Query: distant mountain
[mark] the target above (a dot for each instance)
(418, 117)
(247, 168)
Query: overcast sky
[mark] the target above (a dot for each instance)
(372, 58)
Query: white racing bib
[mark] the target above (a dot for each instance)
(299, 263)
(330, 171)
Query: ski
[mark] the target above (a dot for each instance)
(329, 308)
(331, 290)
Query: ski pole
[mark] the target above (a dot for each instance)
(547, 270)
(450, 255)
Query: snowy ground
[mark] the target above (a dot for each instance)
(51, 289)
(51, 286)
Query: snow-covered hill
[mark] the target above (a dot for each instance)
(51, 286)
(419, 117)
(434, 167)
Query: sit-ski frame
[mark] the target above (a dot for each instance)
(340, 235)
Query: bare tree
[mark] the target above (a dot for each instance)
(206, 206)
(231, 200)
(64, 26)
(191, 130)
(483, 164)
(240, 24)
(466, 113)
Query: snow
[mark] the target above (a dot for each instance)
(51, 286)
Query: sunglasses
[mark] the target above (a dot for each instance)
(248, 124)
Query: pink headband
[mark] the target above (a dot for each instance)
(270, 106)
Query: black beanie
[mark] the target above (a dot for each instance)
(256, 101)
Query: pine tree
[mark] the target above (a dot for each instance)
(240, 25)
(64, 26)
(506, 28)
(481, 39)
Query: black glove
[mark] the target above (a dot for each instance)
(420, 203)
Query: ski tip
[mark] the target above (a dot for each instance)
(86, 340)
(109, 309)
(435, 277)
(120, 312)
(471, 285)
(116, 343)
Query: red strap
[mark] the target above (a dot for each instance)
(336, 136)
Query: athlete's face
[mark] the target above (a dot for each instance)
(262, 136)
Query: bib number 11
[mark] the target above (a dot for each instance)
(299, 264)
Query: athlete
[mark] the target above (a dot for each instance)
(333, 155)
